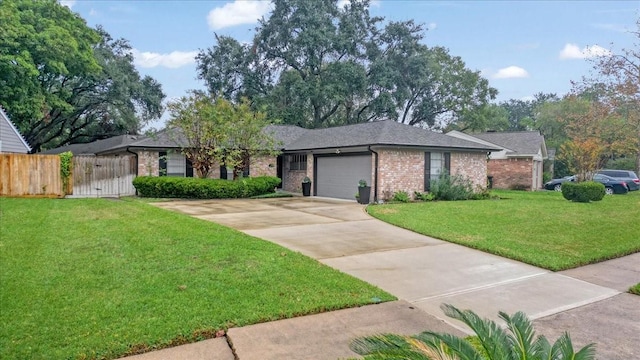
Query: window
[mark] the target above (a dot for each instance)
(435, 163)
(173, 163)
(298, 162)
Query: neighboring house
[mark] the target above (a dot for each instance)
(390, 156)
(519, 163)
(11, 141)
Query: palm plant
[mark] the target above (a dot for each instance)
(492, 342)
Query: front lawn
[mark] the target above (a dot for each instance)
(94, 278)
(539, 228)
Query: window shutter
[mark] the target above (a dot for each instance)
(162, 163)
(223, 172)
(427, 171)
(189, 172)
(447, 162)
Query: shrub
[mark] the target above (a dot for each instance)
(480, 194)
(195, 188)
(519, 187)
(401, 196)
(516, 340)
(426, 196)
(451, 187)
(583, 191)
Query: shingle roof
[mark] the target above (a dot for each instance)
(387, 132)
(294, 138)
(520, 142)
(111, 144)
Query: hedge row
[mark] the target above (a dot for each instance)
(583, 191)
(195, 188)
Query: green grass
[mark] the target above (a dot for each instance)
(93, 278)
(635, 289)
(539, 228)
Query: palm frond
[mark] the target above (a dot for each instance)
(453, 345)
(543, 348)
(388, 347)
(493, 338)
(521, 328)
(433, 352)
(563, 349)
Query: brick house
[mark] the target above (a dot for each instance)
(519, 163)
(389, 156)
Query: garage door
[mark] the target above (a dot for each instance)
(338, 176)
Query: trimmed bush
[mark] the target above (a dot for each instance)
(451, 187)
(583, 191)
(195, 188)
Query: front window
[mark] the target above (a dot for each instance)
(435, 164)
(298, 162)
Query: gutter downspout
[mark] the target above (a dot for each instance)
(136, 155)
(375, 177)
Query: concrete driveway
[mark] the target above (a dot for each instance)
(424, 271)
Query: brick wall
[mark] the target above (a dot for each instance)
(148, 163)
(511, 172)
(263, 166)
(399, 170)
(292, 181)
(472, 166)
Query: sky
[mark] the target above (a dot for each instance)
(521, 47)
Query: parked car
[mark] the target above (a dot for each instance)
(612, 185)
(556, 184)
(633, 182)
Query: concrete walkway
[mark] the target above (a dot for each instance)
(423, 272)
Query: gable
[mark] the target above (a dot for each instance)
(11, 141)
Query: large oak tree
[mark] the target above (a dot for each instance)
(315, 64)
(63, 82)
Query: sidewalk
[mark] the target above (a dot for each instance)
(613, 323)
(320, 336)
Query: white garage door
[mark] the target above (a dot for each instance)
(338, 176)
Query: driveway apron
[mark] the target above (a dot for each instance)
(422, 270)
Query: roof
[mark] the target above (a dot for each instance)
(387, 132)
(517, 142)
(10, 138)
(112, 144)
(294, 138)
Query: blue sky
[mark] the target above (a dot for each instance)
(522, 47)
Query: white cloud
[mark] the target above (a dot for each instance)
(432, 26)
(93, 12)
(573, 51)
(237, 13)
(68, 3)
(511, 72)
(171, 60)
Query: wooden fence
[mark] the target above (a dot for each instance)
(24, 175)
(103, 176)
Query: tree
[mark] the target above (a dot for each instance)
(616, 83)
(522, 113)
(65, 82)
(315, 64)
(485, 118)
(212, 130)
(517, 342)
